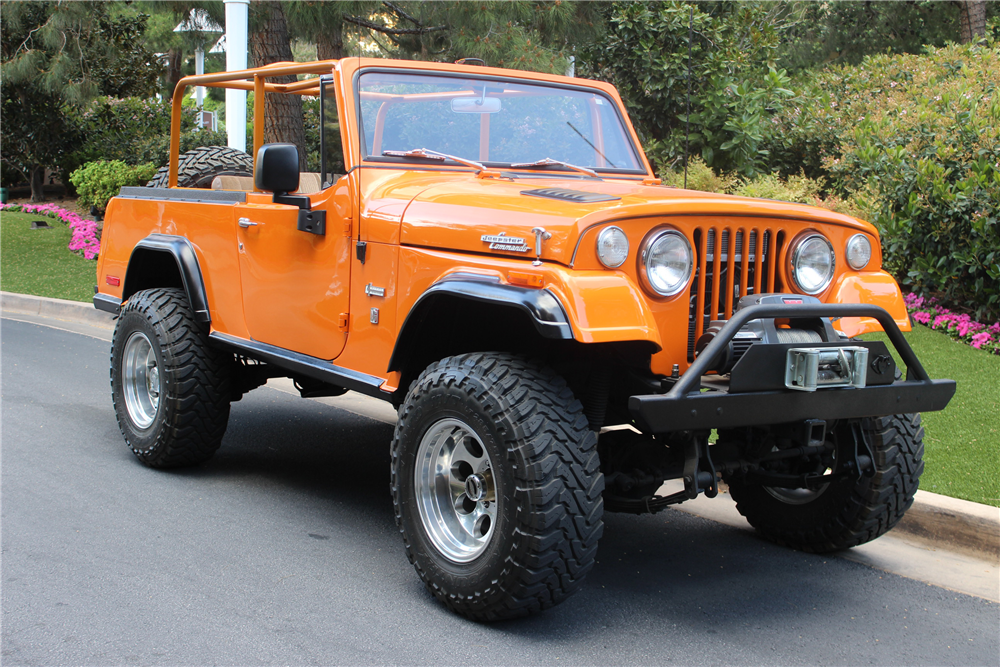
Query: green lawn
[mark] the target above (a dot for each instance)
(962, 442)
(37, 261)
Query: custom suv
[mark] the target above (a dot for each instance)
(489, 251)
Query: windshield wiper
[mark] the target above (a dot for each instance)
(545, 162)
(434, 155)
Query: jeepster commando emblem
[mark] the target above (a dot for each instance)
(503, 242)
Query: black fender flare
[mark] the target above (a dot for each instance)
(182, 251)
(540, 305)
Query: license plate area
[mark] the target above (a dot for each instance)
(812, 368)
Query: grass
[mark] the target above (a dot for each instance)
(962, 442)
(37, 261)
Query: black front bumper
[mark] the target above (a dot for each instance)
(686, 407)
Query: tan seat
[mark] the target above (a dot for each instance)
(309, 182)
(244, 183)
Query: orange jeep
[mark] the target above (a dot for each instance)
(489, 251)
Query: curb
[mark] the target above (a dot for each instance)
(59, 309)
(936, 520)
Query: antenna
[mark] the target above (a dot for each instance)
(687, 122)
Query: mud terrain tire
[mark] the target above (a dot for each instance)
(848, 512)
(535, 458)
(170, 389)
(198, 167)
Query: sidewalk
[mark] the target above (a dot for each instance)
(935, 520)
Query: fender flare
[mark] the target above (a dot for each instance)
(540, 305)
(183, 253)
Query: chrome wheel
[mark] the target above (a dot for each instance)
(455, 490)
(140, 380)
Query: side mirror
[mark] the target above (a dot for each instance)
(277, 168)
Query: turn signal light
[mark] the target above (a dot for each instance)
(525, 279)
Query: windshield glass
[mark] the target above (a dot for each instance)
(495, 122)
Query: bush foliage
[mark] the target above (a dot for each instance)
(98, 182)
(915, 140)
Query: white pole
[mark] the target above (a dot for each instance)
(199, 68)
(237, 13)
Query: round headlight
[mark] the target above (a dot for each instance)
(859, 251)
(612, 247)
(813, 264)
(667, 261)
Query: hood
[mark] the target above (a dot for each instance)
(497, 216)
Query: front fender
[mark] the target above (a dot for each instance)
(877, 288)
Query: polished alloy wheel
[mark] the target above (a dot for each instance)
(140, 380)
(455, 490)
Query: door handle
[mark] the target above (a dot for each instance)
(245, 222)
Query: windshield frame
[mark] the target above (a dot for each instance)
(626, 128)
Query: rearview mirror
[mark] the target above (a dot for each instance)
(475, 104)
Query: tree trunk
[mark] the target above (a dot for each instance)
(283, 113)
(173, 70)
(37, 184)
(973, 20)
(330, 44)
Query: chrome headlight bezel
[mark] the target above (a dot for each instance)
(858, 239)
(605, 234)
(796, 258)
(649, 246)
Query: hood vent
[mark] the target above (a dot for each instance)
(578, 196)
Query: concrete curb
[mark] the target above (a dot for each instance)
(58, 309)
(940, 521)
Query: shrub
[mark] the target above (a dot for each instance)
(917, 139)
(700, 177)
(98, 182)
(136, 131)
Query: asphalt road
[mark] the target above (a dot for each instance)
(283, 550)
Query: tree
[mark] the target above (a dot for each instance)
(734, 86)
(270, 43)
(55, 57)
(973, 20)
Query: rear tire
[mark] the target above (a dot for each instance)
(847, 511)
(197, 168)
(170, 389)
(497, 486)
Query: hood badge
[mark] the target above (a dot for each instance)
(503, 242)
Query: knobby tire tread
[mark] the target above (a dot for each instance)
(197, 167)
(561, 483)
(871, 508)
(195, 382)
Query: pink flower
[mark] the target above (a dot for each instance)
(980, 339)
(922, 318)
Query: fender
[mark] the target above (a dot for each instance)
(139, 276)
(540, 305)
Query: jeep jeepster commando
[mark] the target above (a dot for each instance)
(489, 251)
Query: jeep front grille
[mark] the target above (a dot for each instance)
(744, 264)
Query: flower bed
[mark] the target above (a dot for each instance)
(927, 311)
(84, 240)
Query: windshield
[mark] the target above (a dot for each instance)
(495, 122)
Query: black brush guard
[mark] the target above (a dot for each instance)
(685, 407)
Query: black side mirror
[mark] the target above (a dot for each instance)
(277, 168)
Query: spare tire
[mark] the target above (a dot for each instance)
(198, 167)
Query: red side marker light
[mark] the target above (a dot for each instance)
(792, 300)
(114, 281)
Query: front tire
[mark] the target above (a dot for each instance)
(170, 389)
(847, 511)
(496, 485)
